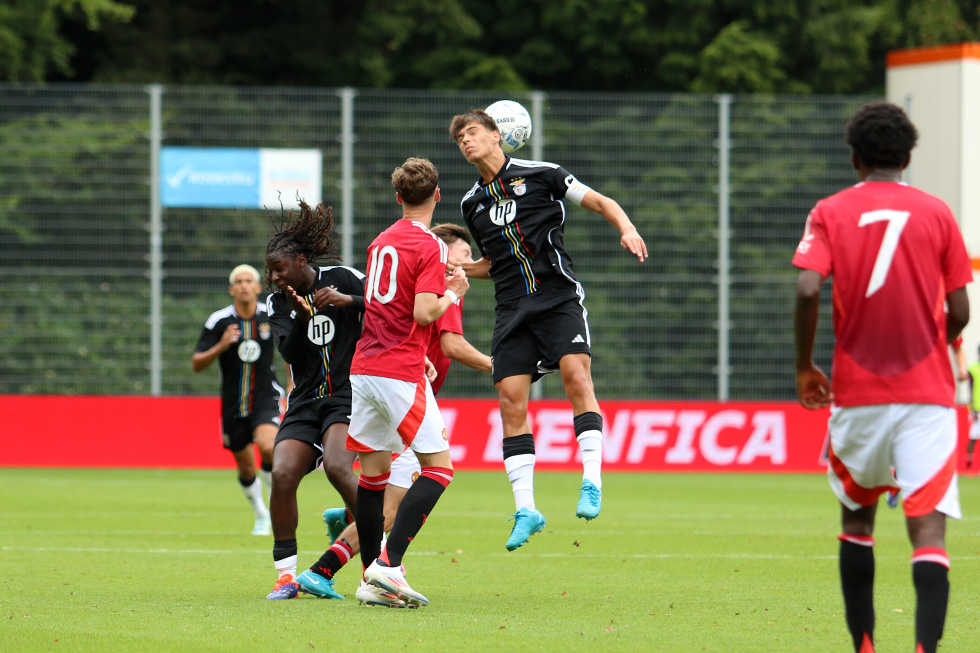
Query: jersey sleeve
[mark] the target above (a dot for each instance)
(209, 338)
(279, 320)
(432, 268)
(564, 184)
(813, 251)
(451, 320)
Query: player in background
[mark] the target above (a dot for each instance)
(973, 369)
(240, 339)
(393, 404)
(316, 313)
(896, 254)
(516, 214)
(446, 345)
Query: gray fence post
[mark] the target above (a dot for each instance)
(155, 257)
(347, 175)
(724, 283)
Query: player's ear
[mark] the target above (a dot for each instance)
(398, 198)
(438, 194)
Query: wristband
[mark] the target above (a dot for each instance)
(452, 295)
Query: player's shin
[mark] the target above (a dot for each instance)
(588, 432)
(930, 575)
(857, 578)
(369, 515)
(415, 508)
(519, 463)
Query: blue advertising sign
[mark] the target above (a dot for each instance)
(239, 178)
(212, 177)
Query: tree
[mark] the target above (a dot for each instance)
(33, 43)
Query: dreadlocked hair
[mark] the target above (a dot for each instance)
(307, 233)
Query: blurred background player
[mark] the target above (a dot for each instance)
(447, 345)
(316, 315)
(393, 404)
(974, 377)
(239, 337)
(895, 253)
(516, 214)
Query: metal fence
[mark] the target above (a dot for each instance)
(106, 293)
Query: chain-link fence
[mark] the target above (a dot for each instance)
(95, 300)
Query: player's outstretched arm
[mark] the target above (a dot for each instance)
(614, 214)
(457, 348)
(479, 269)
(812, 386)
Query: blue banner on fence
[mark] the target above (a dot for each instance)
(239, 178)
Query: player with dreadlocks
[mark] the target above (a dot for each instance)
(316, 313)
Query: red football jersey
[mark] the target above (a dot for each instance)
(894, 252)
(404, 260)
(452, 321)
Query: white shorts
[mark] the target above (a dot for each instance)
(389, 414)
(405, 468)
(918, 441)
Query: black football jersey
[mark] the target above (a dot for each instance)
(248, 378)
(518, 222)
(323, 367)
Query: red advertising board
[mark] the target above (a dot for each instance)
(640, 436)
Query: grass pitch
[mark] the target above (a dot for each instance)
(162, 560)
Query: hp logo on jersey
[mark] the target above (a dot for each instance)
(503, 213)
(321, 330)
(249, 351)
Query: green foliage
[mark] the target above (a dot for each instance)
(33, 44)
(813, 46)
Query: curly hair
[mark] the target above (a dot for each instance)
(881, 135)
(308, 233)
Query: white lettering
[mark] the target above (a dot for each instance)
(554, 433)
(768, 439)
(649, 431)
(710, 449)
(683, 451)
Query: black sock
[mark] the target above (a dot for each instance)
(857, 579)
(369, 515)
(283, 549)
(418, 503)
(333, 559)
(931, 581)
(266, 467)
(245, 483)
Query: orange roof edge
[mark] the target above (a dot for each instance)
(933, 54)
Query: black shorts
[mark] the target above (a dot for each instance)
(236, 432)
(532, 333)
(308, 420)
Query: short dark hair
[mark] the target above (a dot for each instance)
(450, 233)
(881, 135)
(415, 180)
(478, 116)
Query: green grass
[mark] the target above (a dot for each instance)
(137, 560)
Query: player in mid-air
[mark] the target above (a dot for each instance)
(447, 344)
(896, 255)
(240, 339)
(393, 405)
(516, 213)
(316, 313)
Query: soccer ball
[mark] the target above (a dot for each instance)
(513, 122)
